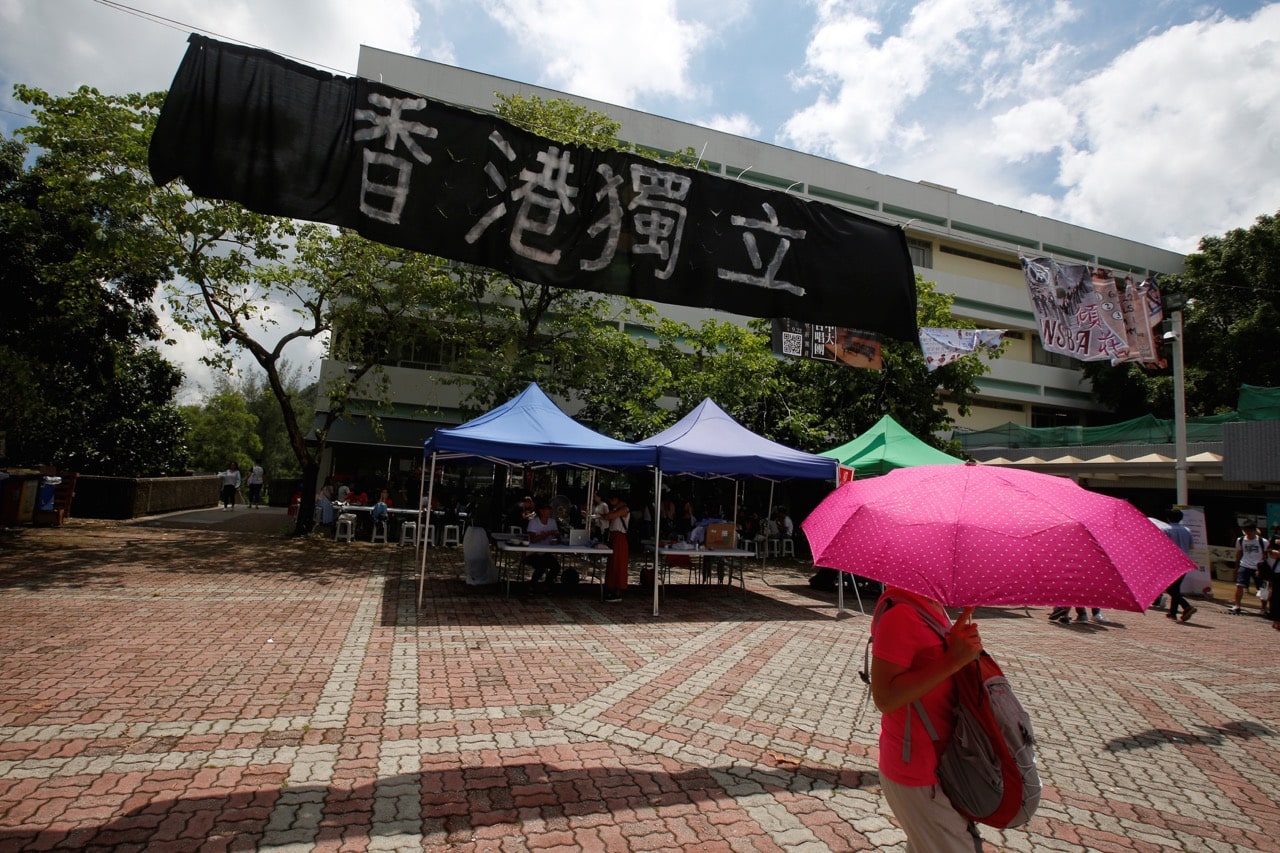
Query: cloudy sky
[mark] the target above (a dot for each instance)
(1157, 121)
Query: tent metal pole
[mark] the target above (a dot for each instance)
(657, 535)
(424, 514)
(768, 520)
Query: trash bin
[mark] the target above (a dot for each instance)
(47, 492)
(19, 497)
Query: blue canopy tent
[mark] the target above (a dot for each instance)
(708, 443)
(528, 428)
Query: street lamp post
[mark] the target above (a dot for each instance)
(1179, 410)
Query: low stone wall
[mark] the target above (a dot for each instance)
(126, 497)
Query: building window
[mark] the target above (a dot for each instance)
(1040, 355)
(921, 253)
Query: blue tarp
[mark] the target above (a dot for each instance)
(709, 442)
(531, 428)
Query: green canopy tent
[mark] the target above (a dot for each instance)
(879, 450)
(886, 446)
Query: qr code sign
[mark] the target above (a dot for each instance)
(792, 343)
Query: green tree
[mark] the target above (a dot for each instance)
(1232, 285)
(813, 405)
(225, 268)
(222, 430)
(79, 386)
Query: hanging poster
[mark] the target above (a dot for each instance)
(1081, 312)
(850, 347)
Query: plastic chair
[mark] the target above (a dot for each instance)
(452, 536)
(345, 531)
(409, 533)
(379, 532)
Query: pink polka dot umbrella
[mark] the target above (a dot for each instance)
(989, 536)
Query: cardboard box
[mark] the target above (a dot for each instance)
(721, 536)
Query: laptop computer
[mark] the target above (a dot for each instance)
(579, 537)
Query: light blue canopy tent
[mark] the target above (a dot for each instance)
(528, 428)
(708, 443)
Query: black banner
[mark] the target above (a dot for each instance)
(282, 138)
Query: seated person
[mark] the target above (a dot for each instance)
(324, 506)
(543, 529)
(379, 511)
(782, 521)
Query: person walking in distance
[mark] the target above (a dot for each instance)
(1249, 551)
(230, 480)
(256, 478)
(1181, 537)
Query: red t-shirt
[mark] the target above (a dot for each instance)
(903, 638)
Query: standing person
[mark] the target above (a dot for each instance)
(256, 478)
(615, 576)
(1249, 550)
(1181, 537)
(908, 664)
(230, 480)
(1273, 551)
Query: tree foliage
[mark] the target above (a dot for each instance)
(80, 387)
(1232, 287)
(222, 430)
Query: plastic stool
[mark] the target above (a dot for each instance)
(409, 533)
(788, 548)
(345, 530)
(516, 529)
(379, 532)
(452, 536)
(430, 537)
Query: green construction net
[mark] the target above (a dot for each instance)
(1256, 404)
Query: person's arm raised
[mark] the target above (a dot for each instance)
(894, 686)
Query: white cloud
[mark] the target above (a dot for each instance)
(116, 52)
(1035, 127)
(1165, 140)
(1181, 134)
(868, 80)
(596, 50)
(739, 124)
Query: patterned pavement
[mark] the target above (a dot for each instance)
(186, 685)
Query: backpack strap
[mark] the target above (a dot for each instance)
(887, 601)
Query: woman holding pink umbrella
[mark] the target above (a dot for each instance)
(908, 664)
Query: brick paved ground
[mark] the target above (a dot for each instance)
(199, 687)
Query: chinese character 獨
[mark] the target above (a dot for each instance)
(661, 218)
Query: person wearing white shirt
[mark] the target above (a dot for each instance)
(543, 530)
(256, 478)
(230, 480)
